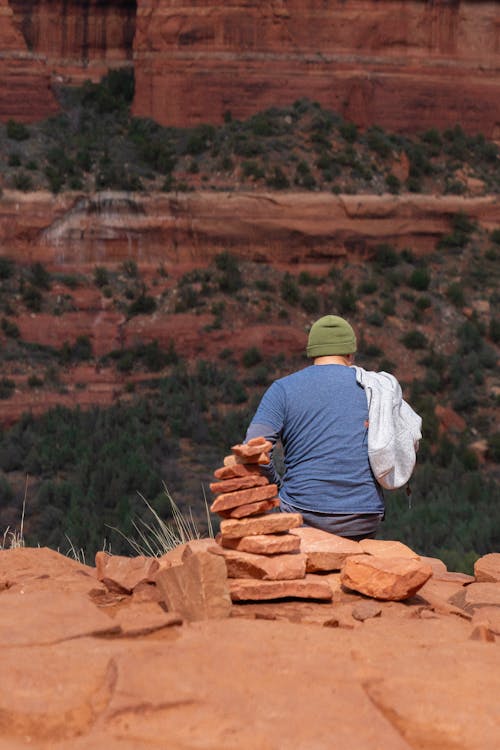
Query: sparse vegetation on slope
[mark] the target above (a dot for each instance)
(95, 144)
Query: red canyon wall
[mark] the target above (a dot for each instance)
(25, 91)
(78, 38)
(404, 65)
(284, 228)
(407, 64)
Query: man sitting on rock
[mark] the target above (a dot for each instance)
(320, 414)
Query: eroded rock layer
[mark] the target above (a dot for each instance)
(182, 228)
(25, 91)
(392, 63)
(80, 39)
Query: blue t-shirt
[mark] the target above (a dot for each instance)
(321, 415)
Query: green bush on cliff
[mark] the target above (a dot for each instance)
(16, 131)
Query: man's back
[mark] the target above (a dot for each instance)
(321, 415)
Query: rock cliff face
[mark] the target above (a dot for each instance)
(392, 63)
(182, 228)
(25, 81)
(395, 63)
(77, 39)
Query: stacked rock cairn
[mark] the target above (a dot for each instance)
(263, 558)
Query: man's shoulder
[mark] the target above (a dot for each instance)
(294, 377)
(373, 379)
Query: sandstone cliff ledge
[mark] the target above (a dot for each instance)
(192, 227)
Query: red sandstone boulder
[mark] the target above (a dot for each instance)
(487, 568)
(198, 588)
(391, 578)
(324, 551)
(123, 574)
(264, 567)
(488, 616)
(479, 595)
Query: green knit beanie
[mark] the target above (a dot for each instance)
(331, 335)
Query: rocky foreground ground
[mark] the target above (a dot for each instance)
(158, 653)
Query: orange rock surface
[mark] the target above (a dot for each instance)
(83, 671)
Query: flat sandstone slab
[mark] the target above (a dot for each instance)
(272, 523)
(277, 568)
(388, 578)
(310, 587)
(383, 548)
(252, 509)
(237, 470)
(238, 483)
(325, 551)
(262, 544)
(243, 497)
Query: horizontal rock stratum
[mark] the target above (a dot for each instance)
(87, 665)
(373, 61)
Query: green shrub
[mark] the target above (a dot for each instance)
(130, 269)
(349, 131)
(494, 447)
(23, 181)
(368, 287)
(375, 319)
(14, 160)
(307, 279)
(40, 277)
(385, 256)
(101, 276)
(143, 305)
(455, 294)
(200, 139)
(420, 279)
(32, 298)
(310, 302)
(6, 268)
(16, 131)
(378, 141)
(7, 387)
(393, 183)
(34, 381)
(278, 180)
(414, 340)
(251, 168)
(10, 329)
(230, 279)
(495, 236)
(423, 303)
(251, 357)
(347, 299)
(289, 290)
(494, 330)
(304, 177)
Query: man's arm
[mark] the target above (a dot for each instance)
(268, 422)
